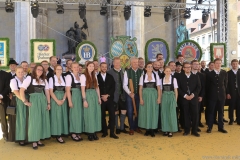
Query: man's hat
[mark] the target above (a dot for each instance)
(12, 61)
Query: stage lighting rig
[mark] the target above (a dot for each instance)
(205, 15)
(82, 11)
(147, 11)
(103, 10)
(60, 8)
(200, 1)
(127, 12)
(34, 8)
(167, 13)
(187, 13)
(9, 7)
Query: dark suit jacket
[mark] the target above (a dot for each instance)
(202, 79)
(206, 70)
(232, 80)
(50, 73)
(216, 85)
(194, 85)
(4, 85)
(11, 76)
(107, 86)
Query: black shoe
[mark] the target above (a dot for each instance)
(224, 120)
(90, 138)
(165, 134)
(230, 123)
(41, 144)
(185, 133)
(35, 148)
(114, 136)
(152, 133)
(125, 126)
(118, 131)
(179, 130)
(156, 131)
(222, 130)
(75, 138)
(201, 125)
(196, 134)
(104, 135)
(216, 122)
(209, 130)
(146, 133)
(198, 130)
(170, 134)
(22, 143)
(57, 138)
(124, 131)
(238, 123)
(95, 137)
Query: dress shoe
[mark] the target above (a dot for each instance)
(22, 144)
(124, 131)
(209, 130)
(216, 122)
(125, 126)
(201, 125)
(198, 130)
(146, 133)
(90, 138)
(238, 123)
(224, 120)
(222, 130)
(59, 141)
(131, 132)
(165, 134)
(138, 130)
(156, 130)
(152, 133)
(230, 123)
(114, 136)
(118, 131)
(196, 134)
(40, 144)
(104, 135)
(185, 133)
(35, 147)
(95, 137)
(170, 134)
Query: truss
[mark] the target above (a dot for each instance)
(142, 3)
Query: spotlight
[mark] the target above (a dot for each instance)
(167, 13)
(60, 9)
(34, 9)
(187, 13)
(200, 1)
(147, 11)
(82, 11)
(127, 12)
(205, 15)
(9, 7)
(103, 10)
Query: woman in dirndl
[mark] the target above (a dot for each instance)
(150, 98)
(91, 102)
(74, 96)
(169, 103)
(15, 83)
(39, 106)
(59, 113)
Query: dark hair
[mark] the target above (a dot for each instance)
(44, 61)
(234, 60)
(193, 61)
(149, 62)
(103, 63)
(159, 54)
(185, 63)
(52, 57)
(24, 62)
(68, 61)
(80, 65)
(140, 58)
(34, 74)
(210, 63)
(217, 59)
(170, 63)
(179, 56)
(92, 79)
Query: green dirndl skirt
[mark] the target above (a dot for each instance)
(148, 112)
(168, 112)
(38, 120)
(92, 114)
(76, 113)
(58, 116)
(21, 120)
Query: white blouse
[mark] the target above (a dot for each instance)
(51, 85)
(27, 81)
(175, 84)
(153, 80)
(83, 80)
(14, 85)
(68, 79)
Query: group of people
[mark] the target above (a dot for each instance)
(52, 103)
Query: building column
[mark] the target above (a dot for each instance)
(25, 30)
(135, 28)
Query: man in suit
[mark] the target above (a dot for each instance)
(159, 56)
(180, 60)
(156, 69)
(233, 94)
(4, 91)
(68, 67)
(204, 69)
(195, 67)
(12, 66)
(107, 88)
(189, 87)
(53, 63)
(119, 95)
(216, 85)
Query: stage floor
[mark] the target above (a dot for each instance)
(137, 147)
